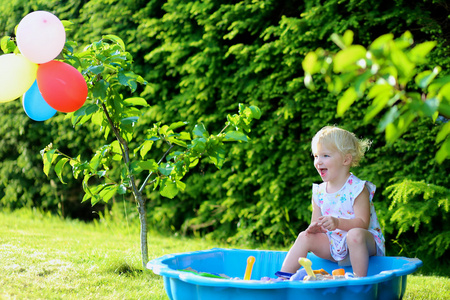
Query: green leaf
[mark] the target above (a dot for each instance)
(184, 136)
(78, 167)
(382, 94)
(232, 136)
(116, 147)
(380, 88)
(309, 83)
(256, 112)
(430, 106)
(86, 197)
(347, 38)
(174, 156)
(424, 78)
(434, 86)
(443, 133)
(165, 169)
(89, 193)
(145, 147)
(200, 130)
(420, 51)
(150, 165)
(378, 45)
(337, 39)
(127, 79)
(7, 45)
(129, 120)
(4, 44)
(193, 162)
(361, 82)
(444, 152)
(178, 142)
(85, 110)
(108, 192)
(346, 101)
(404, 66)
(48, 158)
(217, 155)
(233, 120)
(343, 41)
(444, 108)
(168, 189)
(115, 39)
(100, 89)
(122, 189)
(164, 129)
(135, 167)
(310, 63)
(101, 173)
(59, 168)
(67, 24)
(388, 118)
(346, 59)
(154, 139)
(135, 101)
(95, 199)
(404, 41)
(394, 131)
(95, 69)
(199, 144)
(444, 92)
(176, 125)
(83, 114)
(181, 185)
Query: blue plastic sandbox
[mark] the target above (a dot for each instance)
(386, 277)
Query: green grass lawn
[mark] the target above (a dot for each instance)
(44, 257)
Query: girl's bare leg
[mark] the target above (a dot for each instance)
(361, 245)
(315, 242)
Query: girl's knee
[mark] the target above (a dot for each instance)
(357, 236)
(301, 237)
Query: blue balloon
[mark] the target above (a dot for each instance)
(35, 106)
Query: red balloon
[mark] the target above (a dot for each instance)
(62, 86)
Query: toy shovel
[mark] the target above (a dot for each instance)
(306, 263)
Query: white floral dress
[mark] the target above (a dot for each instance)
(340, 205)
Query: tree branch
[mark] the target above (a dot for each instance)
(151, 173)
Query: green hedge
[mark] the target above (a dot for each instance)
(201, 58)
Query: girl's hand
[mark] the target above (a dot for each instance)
(328, 222)
(314, 227)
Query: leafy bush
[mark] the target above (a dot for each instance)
(202, 57)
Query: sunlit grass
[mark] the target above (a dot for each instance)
(44, 257)
(427, 287)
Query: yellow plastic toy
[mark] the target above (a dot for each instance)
(249, 268)
(306, 263)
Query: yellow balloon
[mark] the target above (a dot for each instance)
(17, 75)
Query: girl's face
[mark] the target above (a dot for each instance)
(332, 166)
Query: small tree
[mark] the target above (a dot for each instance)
(116, 167)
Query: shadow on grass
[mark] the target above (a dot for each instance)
(125, 269)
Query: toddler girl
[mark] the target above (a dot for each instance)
(344, 226)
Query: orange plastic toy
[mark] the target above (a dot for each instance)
(338, 272)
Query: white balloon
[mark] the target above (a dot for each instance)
(40, 36)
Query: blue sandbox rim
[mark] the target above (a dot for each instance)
(160, 266)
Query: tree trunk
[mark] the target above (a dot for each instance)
(137, 193)
(143, 221)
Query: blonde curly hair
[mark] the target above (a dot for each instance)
(344, 141)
